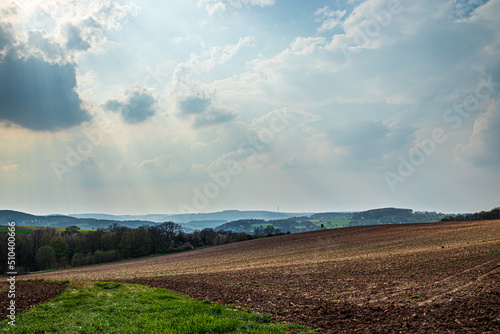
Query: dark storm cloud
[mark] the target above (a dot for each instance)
(38, 95)
(137, 106)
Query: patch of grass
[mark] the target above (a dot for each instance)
(100, 307)
(19, 230)
(84, 229)
(25, 230)
(334, 223)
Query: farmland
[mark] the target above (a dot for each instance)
(20, 230)
(107, 307)
(333, 223)
(412, 277)
(25, 230)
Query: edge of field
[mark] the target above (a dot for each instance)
(110, 307)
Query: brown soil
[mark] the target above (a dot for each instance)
(415, 278)
(431, 292)
(28, 294)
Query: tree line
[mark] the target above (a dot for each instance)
(261, 226)
(483, 215)
(49, 248)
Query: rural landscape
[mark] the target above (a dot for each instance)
(408, 277)
(250, 166)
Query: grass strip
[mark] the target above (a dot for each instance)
(100, 307)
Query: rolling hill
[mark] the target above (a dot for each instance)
(411, 278)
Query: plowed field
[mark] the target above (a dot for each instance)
(28, 294)
(412, 278)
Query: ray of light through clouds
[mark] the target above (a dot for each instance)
(203, 105)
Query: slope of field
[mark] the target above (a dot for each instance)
(108, 307)
(411, 278)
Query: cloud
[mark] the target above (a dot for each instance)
(194, 105)
(76, 27)
(136, 106)
(214, 116)
(483, 150)
(359, 134)
(329, 18)
(162, 161)
(464, 9)
(42, 43)
(37, 95)
(273, 140)
(38, 77)
(198, 64)
(213, 6)
(203, 112)
(196, 100)
(306, 45)
(9, 166)
(367, 144)
(74, 40)
(5, 36)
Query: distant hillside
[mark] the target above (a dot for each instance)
(200, 225)
(231, 215)
(9, 215)
(189, 222)
(21, 218)
(483, 215)
(226, 215)
(103, 216)
(292, 225)
(330, 215)
(328, 220)
(235, 220)
(393, 216)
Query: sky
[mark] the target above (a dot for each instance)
(137, 107)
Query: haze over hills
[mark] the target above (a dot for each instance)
(226, 215)
(61, 221)
(189, 222)
(235, 220)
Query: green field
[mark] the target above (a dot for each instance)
(98, 307)
(20, 230)
(25, 230)
(333, 223)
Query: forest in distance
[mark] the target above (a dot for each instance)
(45, 248)
(51, 248)
(237, 221)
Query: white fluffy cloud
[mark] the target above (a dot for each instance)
(74, 26)
(366, 82)
(38, 81)
(196, 100)
(329, 18)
